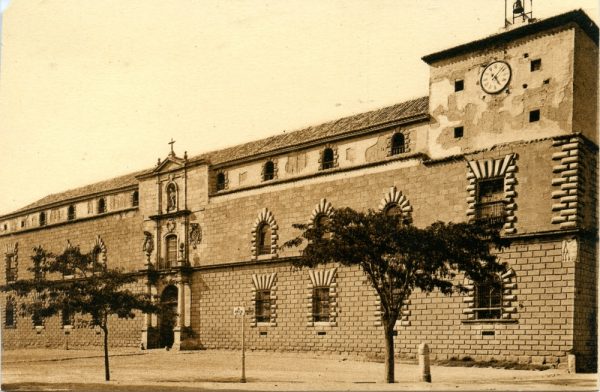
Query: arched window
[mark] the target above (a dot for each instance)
(397, 144)
(488, 299)
(263, 245)
(328, 159)
(42, 219)
(323, 221)
(171, 259)
(269, 171)
(101, 206)
(71, 212)
(393, 209)
(10, 314)
(135, 199)
(220, 181)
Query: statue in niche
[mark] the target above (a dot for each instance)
(171, 197)
(148, 246)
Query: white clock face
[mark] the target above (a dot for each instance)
(495, 77)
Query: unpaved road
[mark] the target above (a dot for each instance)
(156, 370)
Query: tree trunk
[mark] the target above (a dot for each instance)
(106, 366)
(388, 329)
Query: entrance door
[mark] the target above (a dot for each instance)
(168, 314)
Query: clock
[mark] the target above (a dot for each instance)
(495, 77)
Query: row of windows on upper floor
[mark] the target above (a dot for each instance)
(101, 208)
(328, 161)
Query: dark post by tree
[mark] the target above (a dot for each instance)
(398, 257)
(79, 283)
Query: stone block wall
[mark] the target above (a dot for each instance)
(540, 330)
(122, 236)
(436, 190)
(81, 333)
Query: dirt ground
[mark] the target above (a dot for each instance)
(220, 370)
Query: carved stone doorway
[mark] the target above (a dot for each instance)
(168, 316)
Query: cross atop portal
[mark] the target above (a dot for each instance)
(171, 143)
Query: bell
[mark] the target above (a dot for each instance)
(518, 8)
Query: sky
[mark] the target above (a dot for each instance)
(91, 89)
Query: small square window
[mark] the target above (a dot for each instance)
(534, 115)
(459, 132)
(459, 85)
(536, 65)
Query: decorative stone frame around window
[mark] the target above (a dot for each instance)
(264, 292)
(265, 217)
(398, 144)
(269, 170)
(328, 158)
(99, 251)
(501, 308)
(396, 149)
(319, 281)
(395, 198)
(11, 260)
(479, 170)
(221, 181)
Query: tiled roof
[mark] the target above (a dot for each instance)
(404, 110)
(98, 187)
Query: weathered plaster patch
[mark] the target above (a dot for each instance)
(377, 151)
(295, 163)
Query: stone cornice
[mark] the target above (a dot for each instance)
(168, 215)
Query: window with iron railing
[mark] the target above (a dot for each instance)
(397, 144)
(327, 159)
(263, 306)
(490, 204)
(488, 300)
(320, 304)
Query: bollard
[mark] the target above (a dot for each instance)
(425, 374)
(571, 364)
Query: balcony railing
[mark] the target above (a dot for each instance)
(398, 150)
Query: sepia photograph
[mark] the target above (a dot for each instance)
(299, 195)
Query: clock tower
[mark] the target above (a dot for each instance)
(531, 81)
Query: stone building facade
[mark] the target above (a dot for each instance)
(508, 131)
